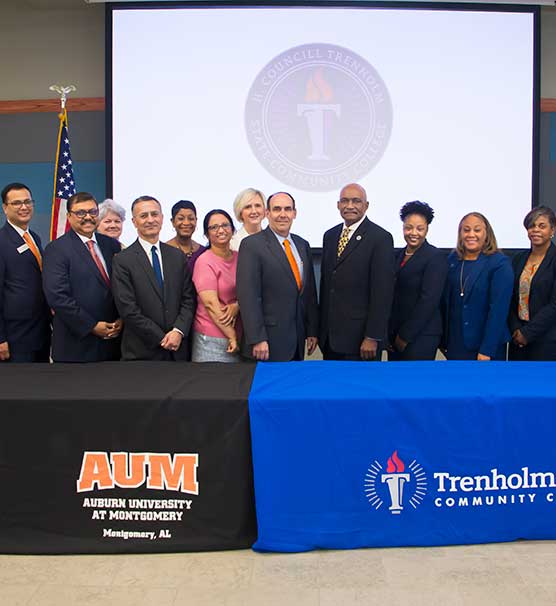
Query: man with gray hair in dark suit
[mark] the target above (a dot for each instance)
(153, 291)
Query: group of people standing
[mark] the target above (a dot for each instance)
(251, 293)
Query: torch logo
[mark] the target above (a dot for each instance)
(318, 116)
(410, 484)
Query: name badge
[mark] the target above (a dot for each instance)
(23, 248)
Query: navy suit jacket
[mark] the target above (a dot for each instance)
(271, 306)
(541, 327)
(418, 293)
(148, 312)
(80, 298)
(486, 301)
(24, 314)
(356, 288)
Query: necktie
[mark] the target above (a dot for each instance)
(33, 248)
(157, 268)
(293, 263)
(344, 239)
(98, 262)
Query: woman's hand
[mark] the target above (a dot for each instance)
(232, 345)
(229, 314)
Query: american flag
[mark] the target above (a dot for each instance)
(64, 183)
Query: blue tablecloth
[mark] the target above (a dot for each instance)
(351, 455)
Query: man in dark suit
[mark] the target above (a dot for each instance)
(276, 288)
(76, 280)
(24, 314)
(153, 291)
(357, 277)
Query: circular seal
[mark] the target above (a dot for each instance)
(318, 116)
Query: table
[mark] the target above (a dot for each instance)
(352, 455)
(125, 457)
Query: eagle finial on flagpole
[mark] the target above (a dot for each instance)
(63, 92)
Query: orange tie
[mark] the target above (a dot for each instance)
(293, 264)
(33, 248)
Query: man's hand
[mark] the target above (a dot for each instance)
(172, 340)
(4, 351)
(400, 344)
(519, 339)
(482, 357)
(261, 351)
(312, 343)
(368, 349)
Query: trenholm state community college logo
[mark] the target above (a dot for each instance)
(318, 116)
(398, 485)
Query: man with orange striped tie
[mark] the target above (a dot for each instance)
(276, 288)
(24, 315)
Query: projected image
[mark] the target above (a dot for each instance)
(318, 116)
(413, 104)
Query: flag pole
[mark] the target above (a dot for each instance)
(63, 169)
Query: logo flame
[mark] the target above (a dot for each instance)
(318, 89)
(395, 464)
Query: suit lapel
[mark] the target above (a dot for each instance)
(83, 253)
(145, 264)
(303, 254)
(477, 268)
(18, 241)
(544, 263)
(357, 237)
(166, 268)
(276, 249)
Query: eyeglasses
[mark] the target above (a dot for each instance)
(20, 203)
(215, 228)
(354, 201)
(93, 212)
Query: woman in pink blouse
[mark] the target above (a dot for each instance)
(216, 328)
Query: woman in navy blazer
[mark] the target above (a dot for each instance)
(477, 295)
(416, 322)
(532, 317)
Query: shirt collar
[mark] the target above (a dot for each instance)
(18, 229)
(355, 226)
(84, 239)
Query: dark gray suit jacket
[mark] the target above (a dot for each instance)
(147, 312)
(355, 289)
(271, 306)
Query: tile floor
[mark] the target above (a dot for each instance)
(508, 574)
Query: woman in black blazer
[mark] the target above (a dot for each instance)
(416, 322)
(532, 318)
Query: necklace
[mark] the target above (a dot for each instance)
(462, 282)
(408, 254)
(187, 253)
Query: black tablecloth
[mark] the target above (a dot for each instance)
(109, 457)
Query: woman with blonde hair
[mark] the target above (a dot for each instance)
(477, 295)
(250, 211)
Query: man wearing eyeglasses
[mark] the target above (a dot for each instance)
(276, 288)
(24, 314)
(153, 291)
(77, 278)
(357, 280)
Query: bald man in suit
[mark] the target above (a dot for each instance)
(357, 280)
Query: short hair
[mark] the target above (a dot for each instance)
(243, 198)
(216, 211)
(144, 199)
(109, 206)
(539, 211)
(275, 194)
(490, 246)
(10, 187)
(185, 205)
(417, 208)
(80, 196)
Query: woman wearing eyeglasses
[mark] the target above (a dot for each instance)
(216, 328)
